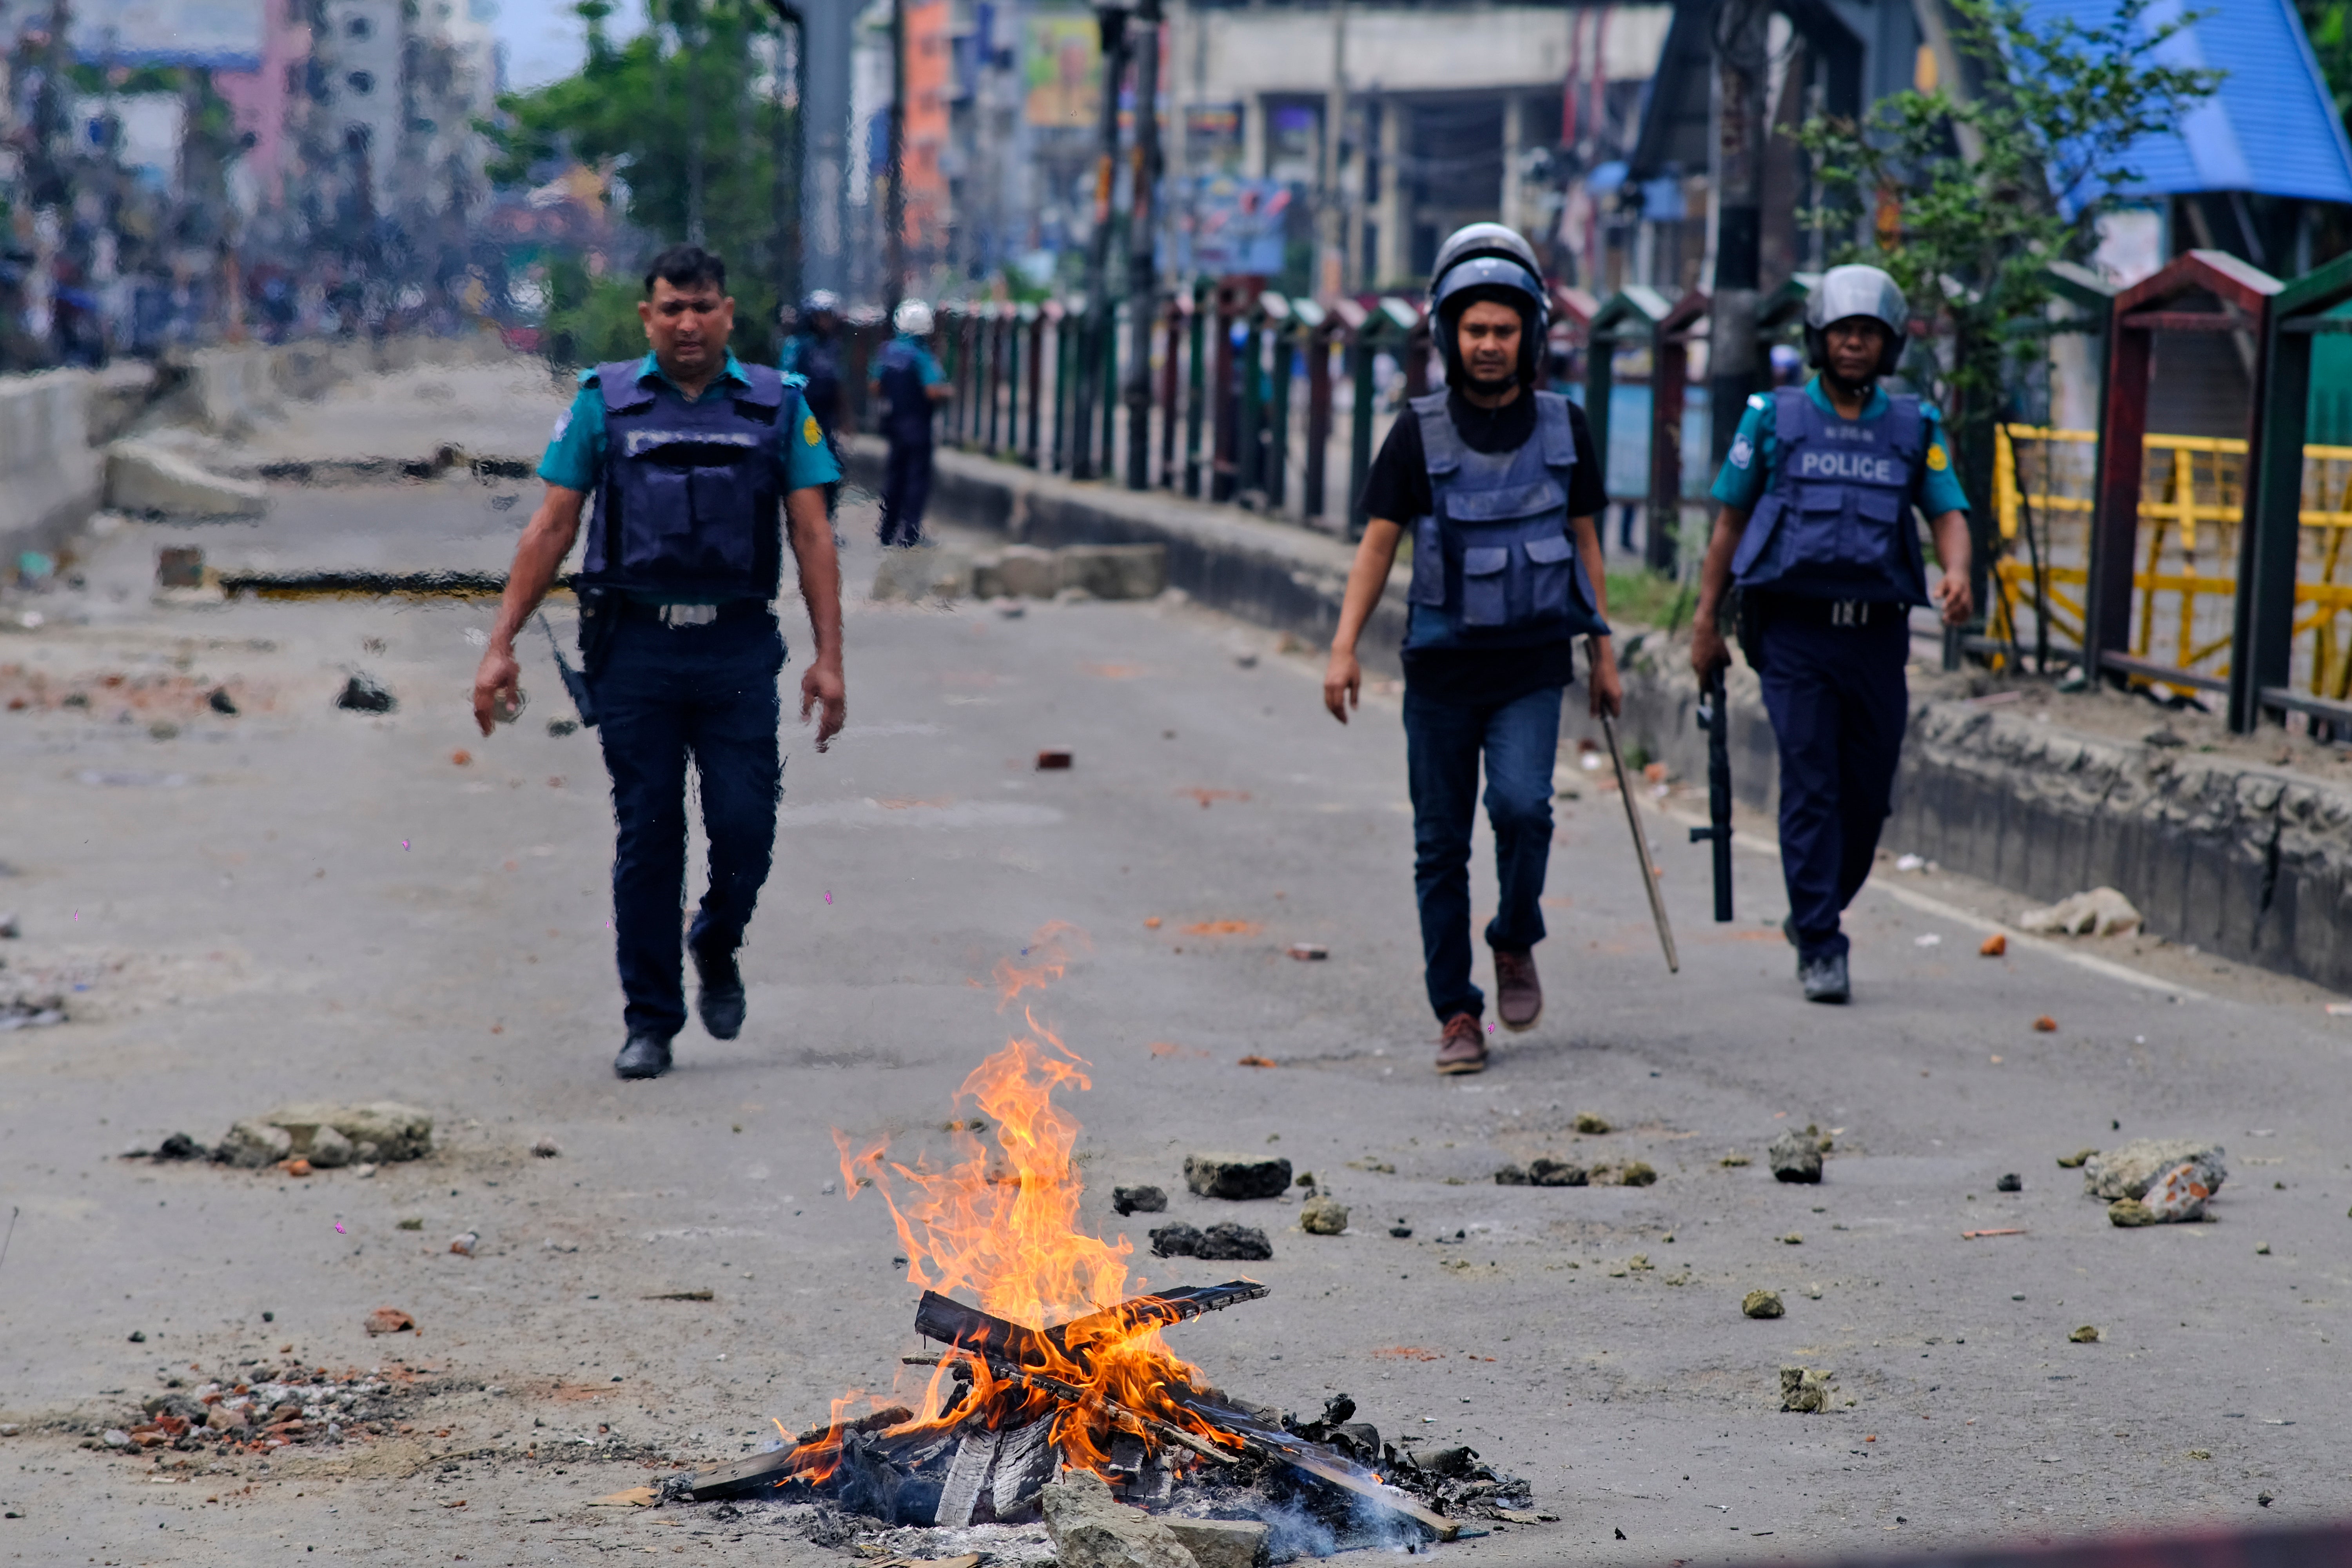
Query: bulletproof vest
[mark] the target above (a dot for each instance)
(689, 503)
(907, 403)
(1837, 522)
(1494, 565)
(817, 360)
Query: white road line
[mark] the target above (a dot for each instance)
(1926, 904)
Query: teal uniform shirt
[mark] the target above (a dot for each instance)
(1753, 466)
(575, 453)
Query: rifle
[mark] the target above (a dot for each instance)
(1714, 717)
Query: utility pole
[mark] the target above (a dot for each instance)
(1736, 365)
(894, 199)
(1142, 234)
(1331, 218)
(1112, 21)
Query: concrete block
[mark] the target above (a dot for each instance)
(1222, 1542)
(1219, 1176)
(1092, 1530)
(148, 481)
(1022, 572)
(1115, 570)
(923, 572)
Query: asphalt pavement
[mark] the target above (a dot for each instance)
(296, 902)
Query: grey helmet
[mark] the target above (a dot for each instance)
(913, 318)
(1845, 292)
(1489, 256)
(821, 302)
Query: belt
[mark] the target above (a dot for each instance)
(1799, 610)
(676, 616)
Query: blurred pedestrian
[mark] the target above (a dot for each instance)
(910, 385)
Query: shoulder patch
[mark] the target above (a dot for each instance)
(1743, 452)
(1758, 400)
(1935, 457)
(813, 435)
(793, 378)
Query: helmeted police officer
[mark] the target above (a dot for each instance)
(813, 352)
(1817, 532)
(910, 384)
(1500, 485)
(688, 453)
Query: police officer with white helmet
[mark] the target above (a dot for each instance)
(1817, 531)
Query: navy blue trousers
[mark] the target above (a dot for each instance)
(1444, 742)
(665, 694)
(905, 490)
(1838, 702)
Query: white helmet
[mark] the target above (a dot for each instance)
(1845, 292)
(913, 318)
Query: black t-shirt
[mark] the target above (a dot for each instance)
(1397, 489)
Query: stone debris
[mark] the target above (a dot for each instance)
(10, 928)
(330, 1136)
(388, 1320)
(1805, 1390)
(1214, 1175)
(362, 693)
(253, 1145)
(2012, 1183)
(1054, 758)
(1548, 1173)
(2075, 1160)
(546, 1149)
(1139, 1200)
(1309, 951)
(1590, 1121)
(1734, 1159)
(29, 1003)
(464, 1243)
(1223, 1542)
(2102, 912)
(1993, 946)
(1762, 1304)
(921, 573)
(1796, 1156)
(1224, 1239)
(2045, 1025)
(1092, 1530)
(1628, 1174)
(2129, 1171)
(2088, 1334)
(1323, 1217)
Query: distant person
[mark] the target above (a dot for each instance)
(814, 352)
(1816, 530)
(1502, 489)
(689, 454)
(910, 384)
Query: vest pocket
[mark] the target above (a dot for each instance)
(1428, 585)
(1871, 533)
(1552, 573)
(657, 517)
(1486, 593)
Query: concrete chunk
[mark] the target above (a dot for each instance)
(921, 572)
(1219, 1175)
(383, 1131)
(2130, 1171)
(148, 481)
(1017, 571)
(1223, 1542)
(1092, 1530)
(1115, 570)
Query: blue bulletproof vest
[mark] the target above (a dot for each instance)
(689, 504)
(1837, 522)
(1494, 565)
(817, 360)
(898, 368)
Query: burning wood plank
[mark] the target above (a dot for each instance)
(1318, 1462)
(758, 1472)
(968, 1328)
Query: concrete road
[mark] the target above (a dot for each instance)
(296, 902)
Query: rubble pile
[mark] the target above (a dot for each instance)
(315, 1137)
(253, 1410)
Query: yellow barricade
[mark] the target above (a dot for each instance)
(2185, 577)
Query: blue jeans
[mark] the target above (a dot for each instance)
(1839, 704)
(906, 488)
(662, 694)
(1443, 742)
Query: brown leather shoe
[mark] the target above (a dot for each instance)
(1520, 1002)
(1464, 1046)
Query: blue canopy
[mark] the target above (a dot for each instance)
(2270, 129)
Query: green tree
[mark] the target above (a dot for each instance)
(2328, 23)
(687, 116)
(1966, 202)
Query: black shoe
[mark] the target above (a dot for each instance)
(720, 1000)
(646, 1055)
(1824, 979)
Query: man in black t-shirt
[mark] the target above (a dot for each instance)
(1501, 487)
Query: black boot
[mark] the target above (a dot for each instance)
(720, 1000)
(646, 1055)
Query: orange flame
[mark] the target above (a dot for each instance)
(998, 1226)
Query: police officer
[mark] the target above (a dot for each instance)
(688, 453)
(1501, 489)
(1817, 531)
(813, 352)
(910, 384)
